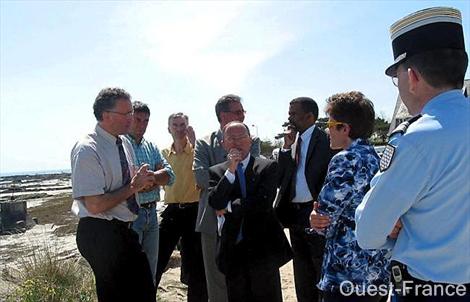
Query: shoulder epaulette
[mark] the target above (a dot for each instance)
(404, 126)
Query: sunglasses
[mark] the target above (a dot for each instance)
(331, 124)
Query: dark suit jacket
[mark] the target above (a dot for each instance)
(264, 243)
(317, 160)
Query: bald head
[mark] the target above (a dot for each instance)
(236, 124)
(237, 136)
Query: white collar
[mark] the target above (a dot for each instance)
(245, 161)
(307, 133)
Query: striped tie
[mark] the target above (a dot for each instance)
(126, 177)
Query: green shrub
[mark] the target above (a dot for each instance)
(45, 277)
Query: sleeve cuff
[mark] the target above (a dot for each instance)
(230, 176)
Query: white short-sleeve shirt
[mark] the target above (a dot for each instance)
(96, 170)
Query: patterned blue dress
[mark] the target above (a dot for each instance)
(347, 181)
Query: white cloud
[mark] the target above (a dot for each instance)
(217, 43)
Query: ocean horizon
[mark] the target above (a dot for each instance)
(39, 172)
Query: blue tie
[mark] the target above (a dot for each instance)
(126, 177)
(242, 181)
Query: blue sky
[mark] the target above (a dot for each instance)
(55, 56)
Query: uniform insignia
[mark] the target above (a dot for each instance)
(386, 159)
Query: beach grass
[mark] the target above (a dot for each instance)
(44, 276)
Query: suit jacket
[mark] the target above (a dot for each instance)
(264, 244)
(207, 153)
(317, 160)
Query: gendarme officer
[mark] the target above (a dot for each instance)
(423, 179)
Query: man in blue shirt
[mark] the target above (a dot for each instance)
(146, 224)
(423, 179)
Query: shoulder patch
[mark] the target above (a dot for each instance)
(387, 156)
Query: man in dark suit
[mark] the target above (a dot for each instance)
(302, 171)
(252, 245)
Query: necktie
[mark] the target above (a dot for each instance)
(298, 147)
(126, 177)
(242, 181)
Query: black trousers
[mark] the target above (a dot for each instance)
(308, 252)
(178, 222)
(121, 269)
(252, 284)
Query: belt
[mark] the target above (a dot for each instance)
(126, 224)
(117, 222)
(399, 274)
(183, 205)
(302, 205)
(148, 205)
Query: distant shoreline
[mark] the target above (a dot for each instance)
(32, 173)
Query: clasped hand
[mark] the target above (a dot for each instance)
(234, 157)
(143, 178)
(318, 222)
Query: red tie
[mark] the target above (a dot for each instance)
(297, 150)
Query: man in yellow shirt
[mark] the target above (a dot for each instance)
(179, 218)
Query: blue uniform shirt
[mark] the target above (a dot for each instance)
(347, 181)
(427, 187)
(147, 153)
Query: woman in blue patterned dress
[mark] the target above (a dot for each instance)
(349, 273)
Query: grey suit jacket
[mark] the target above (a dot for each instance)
(209, 152)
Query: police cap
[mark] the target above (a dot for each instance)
(425, 30)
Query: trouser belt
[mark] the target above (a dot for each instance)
(407, 285)
(183, 205)
(117, 222)
(148, 205)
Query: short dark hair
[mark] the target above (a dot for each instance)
(178, 114)
(223, 104)
(441, 68)
(354, 109)
(307, 104)
(140, 107)
(106, 100)
(233, 123)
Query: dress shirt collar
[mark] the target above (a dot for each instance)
(188, 148)
(305, 136)
(105, 134)
(245, 162)
(133, 141)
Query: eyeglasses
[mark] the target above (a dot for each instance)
(127, 114)
(330, 124)
(238, 112)
(395, 76)
(395, 80)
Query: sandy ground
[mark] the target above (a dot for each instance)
(172, 290)
(56, 230)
